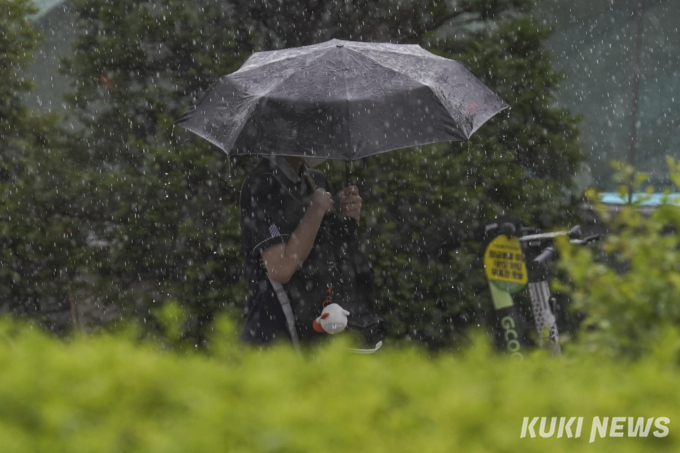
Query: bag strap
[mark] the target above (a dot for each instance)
(284, 300)
(287, 310)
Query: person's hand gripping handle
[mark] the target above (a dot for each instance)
(350, 203)
(321, 201)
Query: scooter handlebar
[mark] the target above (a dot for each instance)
(546, 255)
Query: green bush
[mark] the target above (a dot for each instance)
(42, 212)
(114, 394)
(633, 298)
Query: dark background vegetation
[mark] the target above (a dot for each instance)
(115, 217)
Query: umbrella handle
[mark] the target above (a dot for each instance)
(309, 181)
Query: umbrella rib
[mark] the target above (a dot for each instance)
(245, 70)
(401, 72)
(362, 63)
(466, 133)
(311, 49)
(214, 139)
(247, 67)
(349, 122)
(426, 54)
(421, 83)
(293, 73)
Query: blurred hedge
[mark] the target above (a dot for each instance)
(631, 295)
(115, 394)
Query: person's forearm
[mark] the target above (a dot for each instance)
(283, 260)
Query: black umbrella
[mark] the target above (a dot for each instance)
(341, 100)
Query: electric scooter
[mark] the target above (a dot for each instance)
(515, 257)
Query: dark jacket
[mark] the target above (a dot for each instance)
(273, 201)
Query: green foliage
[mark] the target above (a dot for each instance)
(18, 40)
(165, 208)
(631, 300)
(41, 244)
(111, 394)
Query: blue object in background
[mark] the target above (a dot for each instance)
(654, 199)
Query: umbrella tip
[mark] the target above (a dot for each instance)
(339, 45)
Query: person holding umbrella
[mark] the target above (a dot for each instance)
(334, 100)
(291, 235)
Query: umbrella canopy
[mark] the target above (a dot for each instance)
(341, 100)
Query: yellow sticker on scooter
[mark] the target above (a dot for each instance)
(504, 264)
